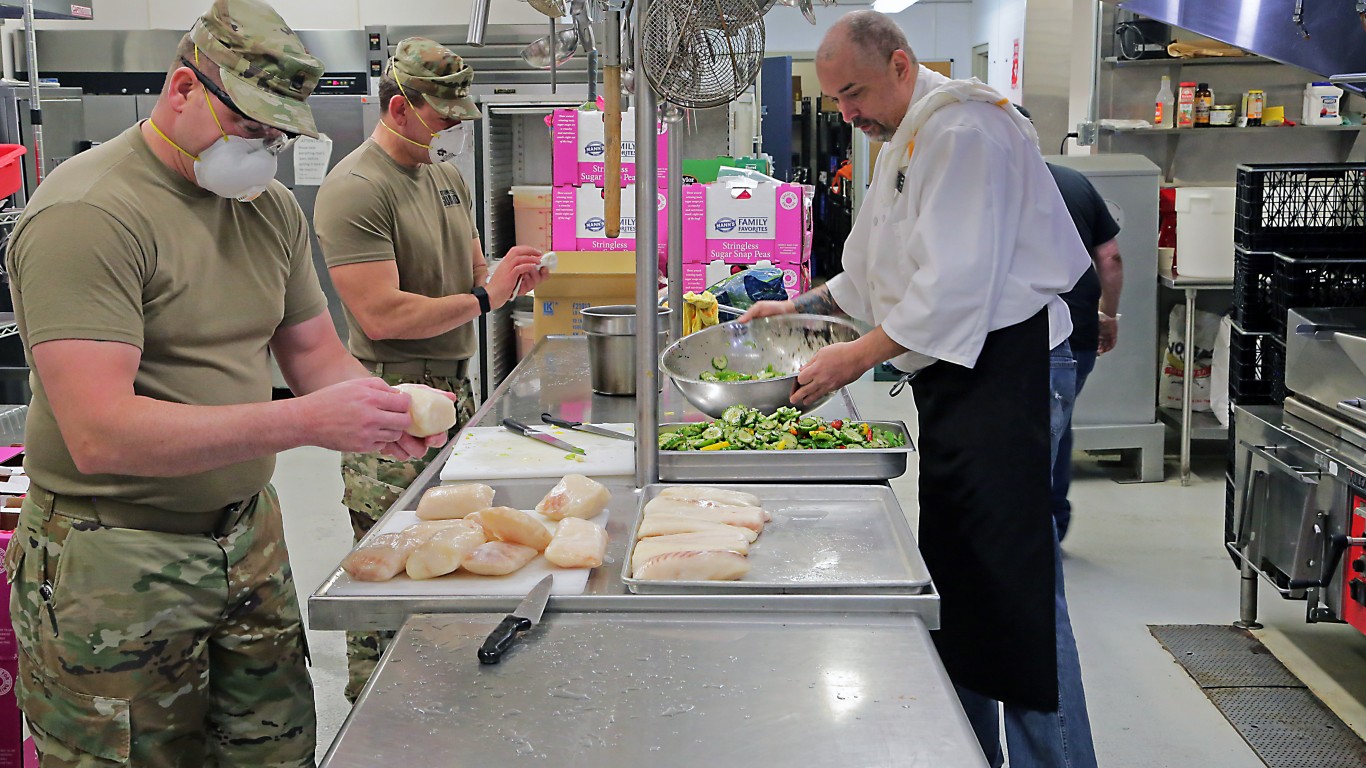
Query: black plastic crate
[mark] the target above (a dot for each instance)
(1256, 368)
(1254, 295)
(1315, 282)
(1229, 507)
(1301, 207)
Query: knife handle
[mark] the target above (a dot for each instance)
(566, 423)
(500, 639)
(516, 426)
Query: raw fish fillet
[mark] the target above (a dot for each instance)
(381, 559)
(721, 496)
(498, 558)
(444, 551)
(577, 544)
(745, 517)
(575, 496)
(513, 526)
(449, 502)
(716, 565)
(685, 542)
(663, 524)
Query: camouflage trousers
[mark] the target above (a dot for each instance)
(372, 483)
(157, 650)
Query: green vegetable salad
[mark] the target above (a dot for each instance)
(746, 429)
(722, 372)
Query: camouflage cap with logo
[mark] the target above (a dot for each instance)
(264, 66)
(437, 73)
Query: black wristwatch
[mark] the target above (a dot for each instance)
(483, 296)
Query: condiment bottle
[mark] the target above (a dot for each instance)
(1185, 106)
(1252, 106)
(1163, 114)
(1204, 100)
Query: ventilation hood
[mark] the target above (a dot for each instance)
(1327, 37)
(48, 9)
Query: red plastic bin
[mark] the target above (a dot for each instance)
(11, 171)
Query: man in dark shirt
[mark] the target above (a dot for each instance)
(1094, 302)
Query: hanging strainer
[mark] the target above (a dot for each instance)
(702, 54)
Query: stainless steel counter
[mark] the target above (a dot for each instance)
(554, 378)
(662, 690)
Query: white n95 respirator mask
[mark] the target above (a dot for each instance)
(236, 168)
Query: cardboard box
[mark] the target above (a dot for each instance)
(583, 279)
(579, 141)
(578, 220)
(727, 228)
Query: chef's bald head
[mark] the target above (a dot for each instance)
(868, 31)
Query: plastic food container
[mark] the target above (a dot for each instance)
(1222, 114)
(1321, 104)
(1204, 231)
(531, 215)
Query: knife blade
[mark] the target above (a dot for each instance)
(524, 430)
(582, 427)
(524, 617)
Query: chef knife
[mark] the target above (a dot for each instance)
(582, 427)
(522, 429)
(526, 616)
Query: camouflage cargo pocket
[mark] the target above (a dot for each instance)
(70, 726)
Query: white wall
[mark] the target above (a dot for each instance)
(937, 31)
(302, 14)
(999, 24)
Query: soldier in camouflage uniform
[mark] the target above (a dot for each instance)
(152, 600)
(397, 228)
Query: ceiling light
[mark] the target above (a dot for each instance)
(892, 6)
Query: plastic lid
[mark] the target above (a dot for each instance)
(1184, 84)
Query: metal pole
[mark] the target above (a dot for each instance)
(35, 103)
(479, 20)
(1187, 387)
(647, 268)
(675, 230)
(554, 54)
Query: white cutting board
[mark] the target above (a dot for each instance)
(495, 453)
(568, 581)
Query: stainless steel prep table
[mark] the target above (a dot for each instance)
(554, 378)
(662, 690)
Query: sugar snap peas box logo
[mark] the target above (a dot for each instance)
(595, 224)
(594, 149)
(725, 225)
(744, 225)
(598, 224)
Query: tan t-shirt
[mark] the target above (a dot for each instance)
(115, 246)
(370, 208)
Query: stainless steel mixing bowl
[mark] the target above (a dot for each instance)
(786, 341)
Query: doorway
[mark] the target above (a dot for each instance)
(981, 61)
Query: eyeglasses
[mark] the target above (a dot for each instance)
(274, 144)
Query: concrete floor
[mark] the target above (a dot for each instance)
(1138, 554)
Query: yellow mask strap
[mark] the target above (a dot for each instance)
(168, 140)
(416, 114)
(212, 111)
(401, 136)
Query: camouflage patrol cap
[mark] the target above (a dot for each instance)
(437, 73)
(263, 64)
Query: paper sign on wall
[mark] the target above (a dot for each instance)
(311, 157)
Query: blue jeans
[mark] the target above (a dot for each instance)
(1060, 739)
(1062, 460)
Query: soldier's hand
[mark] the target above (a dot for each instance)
(522, 262)
(768, 309)
(409, 447)
(361, 416)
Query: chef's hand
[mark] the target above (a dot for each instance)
(833, 367)
(361, 416)
(768, 309)
(1109, 333)
(521, 262)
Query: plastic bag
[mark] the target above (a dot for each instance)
(1218, 378)
(742, 289)
(1173, 362)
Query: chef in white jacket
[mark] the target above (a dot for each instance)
(957, 257)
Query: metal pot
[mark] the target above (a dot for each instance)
(611, 332)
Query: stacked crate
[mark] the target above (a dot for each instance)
(1300, 239)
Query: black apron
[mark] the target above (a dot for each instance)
(985, 515)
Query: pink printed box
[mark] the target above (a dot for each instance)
(578, 220)
(725, 229)
(580, 144)
(11, 721)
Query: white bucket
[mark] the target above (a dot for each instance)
(1204, 232)
(1321, 104)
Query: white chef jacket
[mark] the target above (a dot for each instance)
(977, 239)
